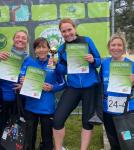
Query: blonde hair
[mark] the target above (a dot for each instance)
(118, 36)
(23, 32)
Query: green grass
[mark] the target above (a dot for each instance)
(72, 138)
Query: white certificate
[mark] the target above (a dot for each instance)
(33, 82)
(75, 58)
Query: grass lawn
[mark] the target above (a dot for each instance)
(72, 138)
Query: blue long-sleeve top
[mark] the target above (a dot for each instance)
(80, 80)
(105, 74)
(46, 104)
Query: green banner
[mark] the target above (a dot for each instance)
(41, 18)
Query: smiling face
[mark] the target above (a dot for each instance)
(41, 50)
(68, 31)
(116, 49)
(20, 40)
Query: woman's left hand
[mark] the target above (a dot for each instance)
(17, 86)
(89, 58)
(52, 61)
(47, 87)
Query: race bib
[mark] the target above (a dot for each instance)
(116, 104)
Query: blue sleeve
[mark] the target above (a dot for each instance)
(1, 97)
(60, 83)
(62, 69)
(62, 63)
(24, 66)
(132, 67)
(93, 50)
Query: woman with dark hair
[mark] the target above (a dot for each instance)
(41, 110)
(80, 86)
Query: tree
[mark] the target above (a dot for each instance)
(124, 20)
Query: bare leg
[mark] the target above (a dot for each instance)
(85, 138)
(58, 138)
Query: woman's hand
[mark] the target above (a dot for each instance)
(89, 58)
(52, 61)
(4, 55)
(18, 86)
(22, 79)
(47, 87)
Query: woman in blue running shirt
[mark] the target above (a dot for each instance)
(80, 86)
(113, 102)
(41, 110)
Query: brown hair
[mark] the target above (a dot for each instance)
(118, 36)
(67, 20)
(40, 41)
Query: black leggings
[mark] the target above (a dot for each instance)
(70, 100)
(31, 131)
(111, 131)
